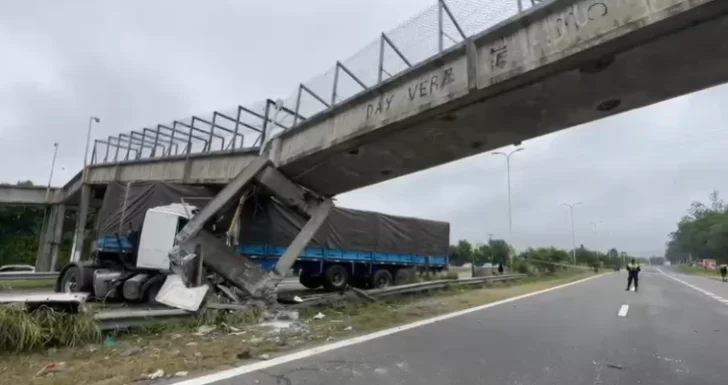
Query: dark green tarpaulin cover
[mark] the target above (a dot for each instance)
(265, 220)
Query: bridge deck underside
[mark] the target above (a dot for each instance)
(666, 67)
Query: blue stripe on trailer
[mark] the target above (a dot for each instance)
(268, 254)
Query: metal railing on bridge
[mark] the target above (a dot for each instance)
(445, 24)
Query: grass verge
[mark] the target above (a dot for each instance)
(21, 330)
(30, 284)
(686, 269)
(176, 348)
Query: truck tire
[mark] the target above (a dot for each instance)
(404, 276)
(71, 281)
(336, 277)
(310, 282)
(382, 278)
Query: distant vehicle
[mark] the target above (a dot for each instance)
(17, 269)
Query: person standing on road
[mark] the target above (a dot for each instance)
(500, 269)
(633, 272)
(723, 272)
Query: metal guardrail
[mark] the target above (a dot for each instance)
(128, 318)
(25, 276)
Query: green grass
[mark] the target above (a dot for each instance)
(21, 330)
(30, 284)
(687, 269)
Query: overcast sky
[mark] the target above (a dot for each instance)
(137, 63)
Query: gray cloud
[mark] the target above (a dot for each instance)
(135, 64)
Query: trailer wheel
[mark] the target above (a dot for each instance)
(404, 276)
(336, 277)
(72, 280)
(310, 282)
(382, 278)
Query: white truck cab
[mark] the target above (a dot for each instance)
(160, 226)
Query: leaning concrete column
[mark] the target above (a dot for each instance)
(82, 216)
(55, 244)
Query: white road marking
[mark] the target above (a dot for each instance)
(623, 311)
(707, 293)
(234, 372)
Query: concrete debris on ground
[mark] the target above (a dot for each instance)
(287, 315)
(319, 315)
(205, 329)
(50, 368)
(132, 352)
(159, 374)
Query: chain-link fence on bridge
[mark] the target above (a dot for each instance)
(443, 25)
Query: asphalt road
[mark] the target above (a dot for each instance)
(671, 333)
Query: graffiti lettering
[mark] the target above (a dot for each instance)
(420, 89)
(498, 57)
(428, 86)
(574, 19)
(597, 11)
(382, 105)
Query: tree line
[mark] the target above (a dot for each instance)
(498, 251)
(20, 228)
(701, 233)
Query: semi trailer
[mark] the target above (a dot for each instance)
(139, 223)
(353, 247)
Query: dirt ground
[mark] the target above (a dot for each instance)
(185, 350)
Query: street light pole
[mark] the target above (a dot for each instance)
(573, 237)
(53, 167)
(510, 210)
(91, 120)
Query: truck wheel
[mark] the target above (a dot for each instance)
(310, 282)
(72, 280)
(336, 277)
(404, 276)
(381, 279)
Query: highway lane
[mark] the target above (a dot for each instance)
(712, 287)
(669, 334)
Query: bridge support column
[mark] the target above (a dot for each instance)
(41, 257)
(81, 219)
(55, 244)
(238, 270)
(50, 238)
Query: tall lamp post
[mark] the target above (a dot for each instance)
(91, 120)
(53, 167)
(508, 173)
(573, 237)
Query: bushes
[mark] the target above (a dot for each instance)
(21, 330)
